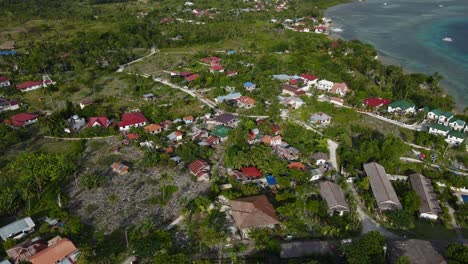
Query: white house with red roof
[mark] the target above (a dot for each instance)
(201, 169)
(133, 119)
(309, 79)
(21, 119)
(4, 81)
(34, 85)
(100, 121)
(252, 172)
(376, 102)
(217, 68)
(320, 29)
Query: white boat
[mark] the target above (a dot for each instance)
(337, 29)
(447, 39)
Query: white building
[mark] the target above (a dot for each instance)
(324, 85)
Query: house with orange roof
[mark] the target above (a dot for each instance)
(271, 141)
(245, 102)
(153, 129)
(188, 120)
(119, 168)
(340, 89)
(297, 166)
(59, 251)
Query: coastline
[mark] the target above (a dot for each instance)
(388, 59)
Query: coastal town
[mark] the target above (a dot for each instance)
(221, 131)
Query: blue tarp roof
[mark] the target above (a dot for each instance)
(7, 52)
(249, 84)
(271, 180)
(230, 52)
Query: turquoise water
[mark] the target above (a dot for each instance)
(410, 33)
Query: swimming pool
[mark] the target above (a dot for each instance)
(465, 198)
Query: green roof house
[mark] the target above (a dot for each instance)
(439, 129)
(457, 124)
(455, 137)
(445, 117)
(221, 131)
(402, 106)
(434, 114)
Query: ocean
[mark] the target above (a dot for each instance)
(411, 33)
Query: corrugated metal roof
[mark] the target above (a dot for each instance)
(16, 227)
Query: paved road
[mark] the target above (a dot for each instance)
(369, 224)
(332, 146)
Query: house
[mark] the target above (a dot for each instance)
(86, 102)
(175, 136)
(8, 105)
(324, 85)
(271, 141)
(245, 102)
(381, 187)
(230, 96)
(4, 82)
(249, 86)
(417, 251)
(334, 197)
(341, 89)
(75, 123)
(252, 173)
(320, 158)
(166, 124)
(34, 85)
(100, 121)
(317, 174)
(337, 101)
(217, 69)
(297, 166)
(271, 181)
(320, 118)
(17, 229)
(445, 118)
(231, 73)
(8, 45)
(253, 212)
(59, 251)
(291, 90)
(455, 124)
(119, 168)
(132, 136)
(293, 102)
(429, 207)
(211, 141)
(192, 77)
(401, 106)
(211, 60)
(320, 29)
(226, 120)
(188, 120)
(153, 129)
(21, 252)
(200, 169)
(376, 102)
(434, 114)
(309, 79)
(455, 138)
(133, 119)
(286, 152)
(222, 132)
(22, 119)
(148, 97)
(438, 129)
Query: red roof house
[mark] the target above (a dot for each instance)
(308, 77)
(375, 102)
(211, 60)
(192, 77)
(216, 68)
(4, 81)
(297, 166)
(251, 172)
(101, 121)
(133, 119)
(22, 119)
(201, 169)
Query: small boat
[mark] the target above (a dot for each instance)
(337, 29)
(447, 39)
